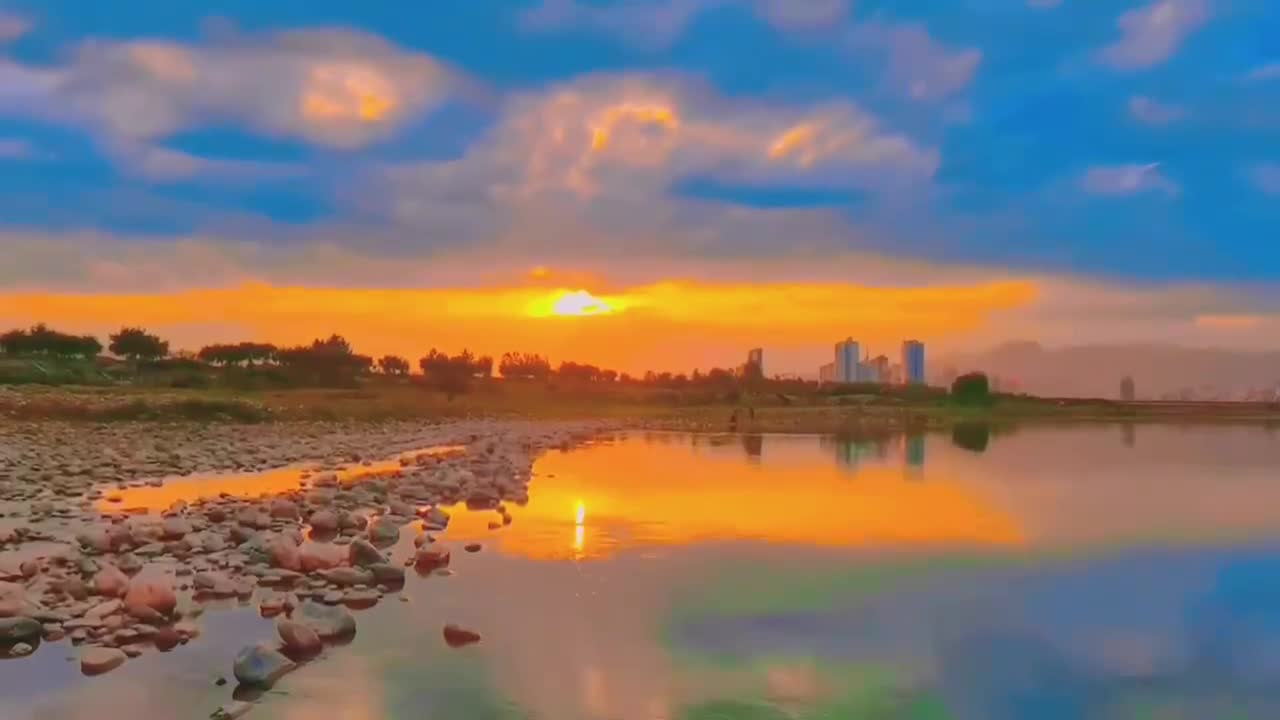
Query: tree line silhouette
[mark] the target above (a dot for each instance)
(332, 360)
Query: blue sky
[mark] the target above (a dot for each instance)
(1134, 144)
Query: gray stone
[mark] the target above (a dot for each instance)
(260, 666)
(18, 629)
(387, 574)
(364, 554)
(348, 576)
(384, 532)
(328, 621)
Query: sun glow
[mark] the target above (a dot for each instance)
(579, 302)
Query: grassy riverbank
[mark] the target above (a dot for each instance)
(385, 399)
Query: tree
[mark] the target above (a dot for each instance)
(137, 344)
(1127, 392)
(393, 365)
(971, 389)
(580, 372)
(483, 367)
(40, 340)
(325, 362)
(524, 366)
(450, 375)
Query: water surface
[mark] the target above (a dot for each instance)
(1099, 572)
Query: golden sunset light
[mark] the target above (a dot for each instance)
(662, 326)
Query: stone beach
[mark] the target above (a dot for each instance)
(114, 537)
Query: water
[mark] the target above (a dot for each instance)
(1047, 574)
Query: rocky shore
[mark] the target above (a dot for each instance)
(87, 558)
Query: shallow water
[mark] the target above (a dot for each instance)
(1048, 574)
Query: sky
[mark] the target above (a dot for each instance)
(719, 174)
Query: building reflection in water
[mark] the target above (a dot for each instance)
(1128, 435)
(852, 452)
(913, 451)
(753, 446)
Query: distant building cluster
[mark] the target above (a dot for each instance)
(851, 366)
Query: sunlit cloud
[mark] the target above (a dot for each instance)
(340, 88)
(601, 144)
(1230, 322)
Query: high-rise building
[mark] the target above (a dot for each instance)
(913, 362)
(878, 369)
(755, 356)
(848, 360)
(827, 373)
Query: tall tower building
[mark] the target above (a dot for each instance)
(913, 362)
(848, 358)
(755, 356)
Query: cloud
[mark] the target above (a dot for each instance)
(918, 66)
(1152, 112)
(1267, 177)
(648, 23)
(1127, 180)
(155, 162)
(1153, 33)
(605, 151)
(338, 88)
(1230, 322)
(656, 24)
(1268, 71)
(16, 148)
(13, 27)
(803, 14)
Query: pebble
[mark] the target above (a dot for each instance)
(260, 666)
(99, 660)
(297, 637)
(328, 621)
(455, 636)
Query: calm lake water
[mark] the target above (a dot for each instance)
(1046, 574)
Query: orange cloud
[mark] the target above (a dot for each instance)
(668, 325)
(1229, 322)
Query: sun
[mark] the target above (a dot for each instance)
(580, 302)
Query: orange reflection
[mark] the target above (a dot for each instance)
(644, 493)
(242, 485)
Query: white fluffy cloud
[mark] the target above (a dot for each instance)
(1153, 33)
(338, 88)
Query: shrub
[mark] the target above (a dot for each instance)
(971, 389)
